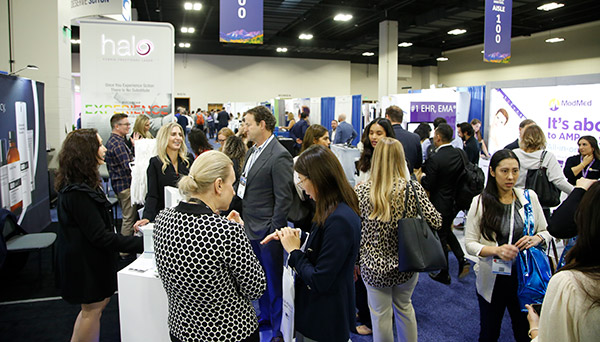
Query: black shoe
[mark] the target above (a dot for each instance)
(463, 268)
(442, 277)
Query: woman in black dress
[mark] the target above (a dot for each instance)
(164, 169)
(586, 164)
(87, 247)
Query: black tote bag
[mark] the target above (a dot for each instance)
(537, 180)
(419, 247)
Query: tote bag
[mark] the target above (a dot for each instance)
(419, 247)
(537, 180)
(288, 296)
(533, 268)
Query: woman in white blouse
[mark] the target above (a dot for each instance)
(571, 309)
(494, 233)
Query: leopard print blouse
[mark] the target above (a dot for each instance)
(378, 256)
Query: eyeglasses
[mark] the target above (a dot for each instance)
(125, 124)
(301, 183)
(221, 141)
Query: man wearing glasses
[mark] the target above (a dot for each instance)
(117, 158)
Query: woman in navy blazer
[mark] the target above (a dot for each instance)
(324, 303)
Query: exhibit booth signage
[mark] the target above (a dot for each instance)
(241, 21)
(119, 10)
(498, 21)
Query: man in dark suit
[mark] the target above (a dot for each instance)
(266, 186)
(333, 129)
(440, 175)
(471, 147)
(344, 133)
(410, 141)
(524, 124)
(223, 118)
(299, 129)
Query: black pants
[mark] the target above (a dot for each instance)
(447, 237)
(362, 304)
(255, 337)
(504, 296)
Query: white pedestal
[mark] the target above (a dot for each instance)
(143, 304)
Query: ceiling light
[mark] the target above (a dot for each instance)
(441, 59)
(457, 32)
(184, 45)
(305, 36)
(181, 45)
(550, 6)
(368, 54)
(184, 29)
(188, 29)
(482, 51)
(188, 6)
(191, 30)
(554, 40)
(197, 6)
(187, 45)
(342, 17)
(75, 41)
(281, 49)
(405, 44)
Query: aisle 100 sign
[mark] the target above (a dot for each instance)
(498, 20)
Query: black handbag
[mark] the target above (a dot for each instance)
(537, 180)
(419, 247)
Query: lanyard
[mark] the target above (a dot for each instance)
(512, 221)
(585, 171)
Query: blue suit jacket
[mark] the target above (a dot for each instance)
(412, 147)
(325, 299)
(298, 130)
(345, 133)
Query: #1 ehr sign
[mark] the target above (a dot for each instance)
(498, 21)
(241, 21)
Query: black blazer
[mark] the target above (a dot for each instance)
(325, 299)
(513, 145)
(157, 180)
(472, 150)
(87, 246)
(412, 147)
(442, 171)
(593, 171)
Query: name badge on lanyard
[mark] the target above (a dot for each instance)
(241, 187)
(500, 266)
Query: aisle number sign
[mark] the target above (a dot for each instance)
(498, 21)
(241, 21)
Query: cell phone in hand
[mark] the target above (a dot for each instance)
(537, 308)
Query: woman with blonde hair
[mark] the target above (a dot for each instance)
(289, 121)
(383, 201)
(164, 169)
(533, 150)
(209, 289)
(223, 134)
(142, 127)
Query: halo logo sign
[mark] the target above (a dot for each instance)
(126, 48)
(144, 47)
(554, 105)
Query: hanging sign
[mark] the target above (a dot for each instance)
(241, 21)
(498, 21)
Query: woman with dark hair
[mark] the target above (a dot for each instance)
(494, 234)
(165, 169)
(315, 134)
(87, 246)
(236, 150)
(198, 141)
(324, 302)
(482, 148)
(375, 130)
(571, 308)
(586, 164)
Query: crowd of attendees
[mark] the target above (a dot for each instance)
(252, 206)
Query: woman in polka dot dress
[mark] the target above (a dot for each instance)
(324, 302)
(205, 261)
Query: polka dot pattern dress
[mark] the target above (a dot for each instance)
(210, 274)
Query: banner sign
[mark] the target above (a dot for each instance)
(565, 113)
(23, 161)
(116, 9)
(241, 21)
(498, 22)
(126, 68)
(428, 111)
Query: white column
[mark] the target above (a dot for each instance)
(41, 36)
(388, 58)
(429, 76)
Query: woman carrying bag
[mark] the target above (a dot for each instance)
(494, 233)
(381, 203)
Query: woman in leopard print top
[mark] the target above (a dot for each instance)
(381, 203)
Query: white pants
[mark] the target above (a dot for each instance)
(381, 302)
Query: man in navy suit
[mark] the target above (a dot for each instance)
(410, 141)
(440, 175)
(266, 186)
(345, 133)
(299, 129)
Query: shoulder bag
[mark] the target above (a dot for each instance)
(533, 268)
(419, 247)
(537, 180)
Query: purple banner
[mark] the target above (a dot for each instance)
(428, 111)
(498, 22)
(241, 21)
